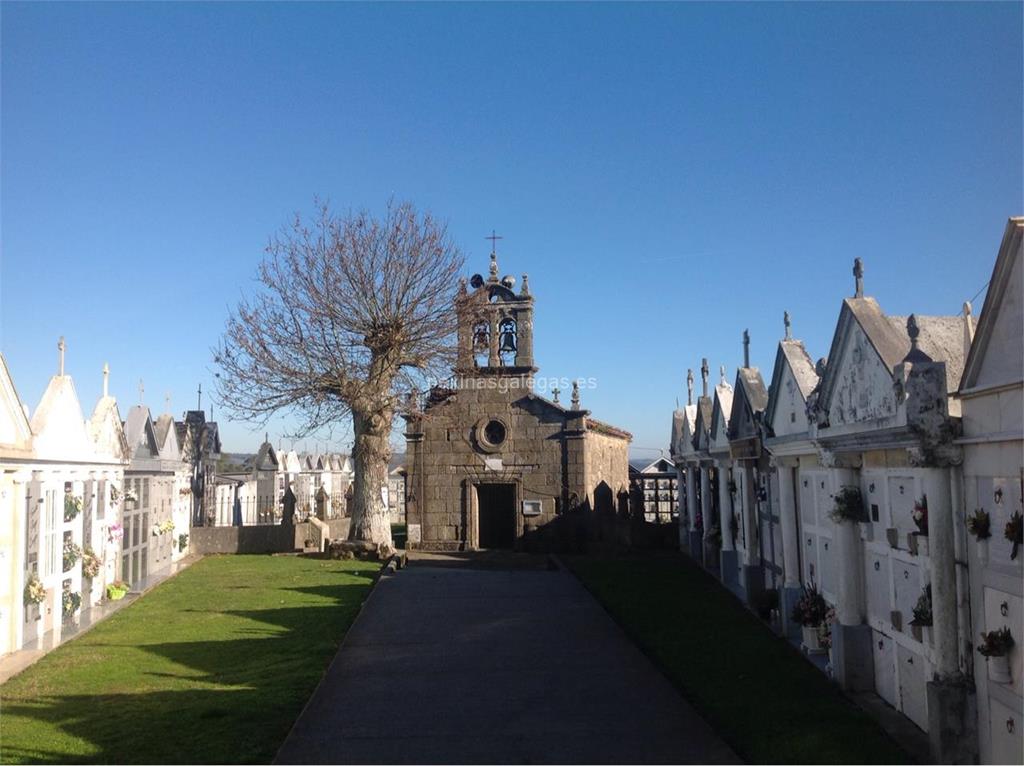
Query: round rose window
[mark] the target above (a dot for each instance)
(494, 432)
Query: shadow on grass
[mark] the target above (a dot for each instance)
(235, 701)
(767, 702)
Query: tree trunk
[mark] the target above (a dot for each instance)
(371, 521)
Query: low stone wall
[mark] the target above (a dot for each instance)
(271, 538)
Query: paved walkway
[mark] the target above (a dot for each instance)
(463, 665)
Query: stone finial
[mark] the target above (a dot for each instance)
(721, 374)
(689, 386)
(106, 380)
(746, 348)
(858, 278)
(554, 393)
(704, 376)
(968, 327)
(494, 267)
(575, 395)
(913, 331)
(61, 347)
(525, 289)
(786, 322)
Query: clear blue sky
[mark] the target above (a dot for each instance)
(667, 174)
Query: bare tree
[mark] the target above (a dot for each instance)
(353, 312)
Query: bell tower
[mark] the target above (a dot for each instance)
(495, 325)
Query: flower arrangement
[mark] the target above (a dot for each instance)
(1014, 532)
(130, 496)
(996, 643)
(72, 553)
(35, 593)
(115, 495)
(923, 608)
(715, 535)
(91, 564)
(182, 542)
(71, 602)
(117, 590)
(72, 506)
(115, 532)
(920, 515)
(810, 609)
(849, 506)
(825, 629)
(185, 491)
(979, 524)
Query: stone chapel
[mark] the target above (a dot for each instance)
(492, 464)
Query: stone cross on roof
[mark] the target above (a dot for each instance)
(60, 353)
(704, 375)
(494, 238)
(746, 348)
(167, 402)
(689, 386)
(142, 391)
(555, 392)
(106, 380)
(858, 275)
(786, 322)
(721, 373)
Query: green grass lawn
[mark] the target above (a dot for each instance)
(213, 665)
(765, 700)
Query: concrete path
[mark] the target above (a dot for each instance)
(461, 665)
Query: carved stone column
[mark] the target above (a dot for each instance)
(790, 547)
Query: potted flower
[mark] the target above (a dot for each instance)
(130, 497)
(70, 602)
(115, 532)
(115, 495)
(922, 622)
(980, 526)
(117, 590)
(712, 546)
(182, 542)
(91, 563)
(72, 506)
(825, 630)
(72, 553)
(848, 505)
(1013, 532)
(809, 612)
(995, 646)
(35, 593)
(918, 541)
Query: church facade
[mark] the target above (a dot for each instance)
(492, 464)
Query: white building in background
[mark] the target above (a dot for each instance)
(170, 455)
(67, 509)
(992, 400)
(150, 541)
(15, 474)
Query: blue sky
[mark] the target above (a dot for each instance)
(668, 175)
